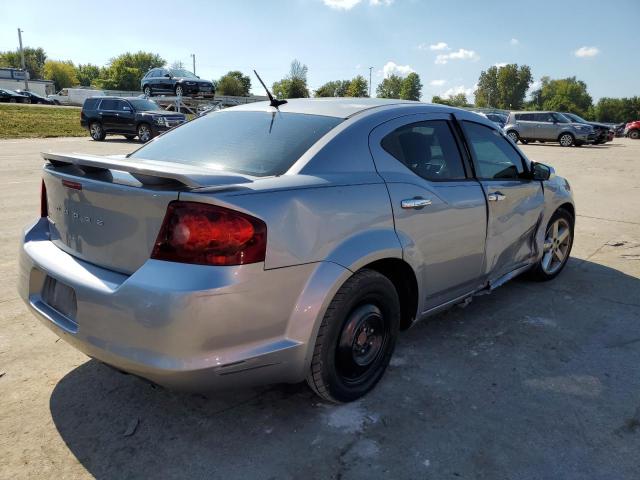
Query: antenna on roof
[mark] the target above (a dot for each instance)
(274, 102)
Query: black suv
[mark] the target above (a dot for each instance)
(601, 130)
(175, 81)
(130, 117)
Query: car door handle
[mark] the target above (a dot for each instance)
(496, 197)
(415, 203)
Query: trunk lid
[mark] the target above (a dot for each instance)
(108, 210)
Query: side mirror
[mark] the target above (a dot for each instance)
(542, 172)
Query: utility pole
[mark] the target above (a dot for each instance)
(193, 56)
(24, 67)
(370, 69)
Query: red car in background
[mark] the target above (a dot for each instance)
(632, 130)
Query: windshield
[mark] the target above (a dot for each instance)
(144, 105)
(575, 118)
(254, 143)
(180, 72)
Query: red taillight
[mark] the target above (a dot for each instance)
(44, 204)
(209, 235)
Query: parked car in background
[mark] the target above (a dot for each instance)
(618, 129)
(74, 96)
(603, 132)
(498, 118)
(35, 98)
(205, 260)
(632, 130)
(131, 117)
(175, 81)
(547, 127)
(10, 96)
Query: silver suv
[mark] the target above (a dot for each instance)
(547, 127)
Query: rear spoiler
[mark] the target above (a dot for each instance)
(148, 171)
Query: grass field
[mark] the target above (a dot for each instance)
(26, 121)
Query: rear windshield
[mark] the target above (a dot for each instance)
(254, 143)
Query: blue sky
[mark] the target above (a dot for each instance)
(447, 42)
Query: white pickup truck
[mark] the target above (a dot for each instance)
(74, 96)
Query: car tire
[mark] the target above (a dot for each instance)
(56, 102)
(523, 141)
(148, 92)
(12, 100)
(144, 132)
(556, 247)
(566, 140)
(179, 91)
(513, 135)
(356, 338)
(129, 137)
(634, 134)
(97, 131)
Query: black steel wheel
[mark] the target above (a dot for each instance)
(356, 338)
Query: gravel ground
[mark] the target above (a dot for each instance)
(536, 381)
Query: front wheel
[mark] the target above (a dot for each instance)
(635, 134)
(356, 338)
(144, 132)
(179, 91)
(558, 241)
(566, 140)
(147, 91)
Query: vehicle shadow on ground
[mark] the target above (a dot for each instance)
(461, 391)
(557, 145)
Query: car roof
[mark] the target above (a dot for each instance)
(330, 107)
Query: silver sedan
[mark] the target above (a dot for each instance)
(264, 244)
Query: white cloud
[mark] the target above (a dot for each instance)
(460, 54)
(459, 89)
(437, 83)
(586, 52)
(349, 4)
(436, 47)
(500, 64)
(392, 68)
(514, 41)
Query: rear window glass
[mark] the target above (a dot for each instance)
(255, 143)
(91, 103)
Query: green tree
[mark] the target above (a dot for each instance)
(125, 71)
(411, 88)
(334, 88)
(34, 59)
(63, 74)
(295, 84)
(234, 83)
(565, 94)
(87, 74)
(457, 100)
(617, 110)
(358, 87)
(503, 87)
(390, 87)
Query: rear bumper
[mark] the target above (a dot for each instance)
(188, 327)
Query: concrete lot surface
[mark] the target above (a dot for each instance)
(535, 381)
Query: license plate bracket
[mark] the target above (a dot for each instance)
(60, 297)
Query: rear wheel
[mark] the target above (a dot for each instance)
(144, 132)
(558, 241)
(565, 140)
(96, 131)
(356, 338)
(635, 134)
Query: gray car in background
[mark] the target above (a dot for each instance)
(260, 244)
(547, 127)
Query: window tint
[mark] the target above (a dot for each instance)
(108, 104)
(544, 117)
(90, 103)
(493, 155)
(428, 149)
(256, 143)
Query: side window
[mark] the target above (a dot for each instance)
(428, 149)
(108, 104)
(544, 117)
(528, 117)
(120, 105)
(493, 155)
